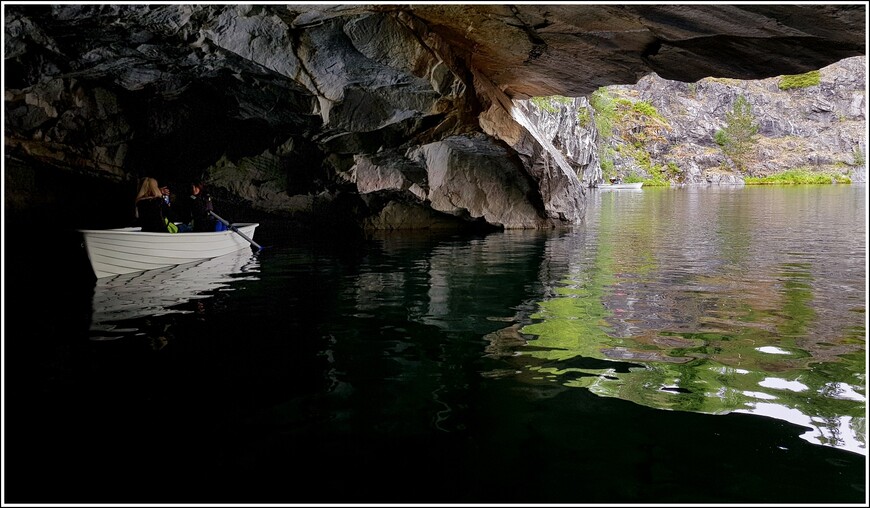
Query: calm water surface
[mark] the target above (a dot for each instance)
(702, 345)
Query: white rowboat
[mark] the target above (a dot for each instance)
(617, 186)
(129, 250)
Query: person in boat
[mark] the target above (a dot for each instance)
(167, 202)
(149, 208)
(171, 210)
(200, 206)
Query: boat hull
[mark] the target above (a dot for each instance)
(129, 250)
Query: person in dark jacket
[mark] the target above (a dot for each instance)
(167, 202)
(200, 205)
(149, 207)
(173, 211)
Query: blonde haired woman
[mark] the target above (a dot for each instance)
(149, 207)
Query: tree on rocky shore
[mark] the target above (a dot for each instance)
(740, 135)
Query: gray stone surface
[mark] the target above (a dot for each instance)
(280, 105)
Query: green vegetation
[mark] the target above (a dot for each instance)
(605, 112)
(641, 131)
(806, 80)
(635, 110)
(740, 134)
(712, 368)
(657, 179)
(659, 176)
(583, 117)
(858, 156)
(647, 109)
(608, 169)
(640, 122)
(799, 177)
(549, 103)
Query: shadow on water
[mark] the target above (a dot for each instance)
(388, 370)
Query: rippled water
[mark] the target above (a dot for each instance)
(702, 345)
(717, 300)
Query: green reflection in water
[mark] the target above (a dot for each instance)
(751, 348)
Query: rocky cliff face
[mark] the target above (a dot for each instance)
(395, 116)
(567, 124)
(820, 127)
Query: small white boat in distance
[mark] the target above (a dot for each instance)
(129, 250)
(616, 186)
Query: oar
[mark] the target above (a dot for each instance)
(236, 230)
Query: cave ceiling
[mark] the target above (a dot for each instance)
(322, 93)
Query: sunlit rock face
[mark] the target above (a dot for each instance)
(410, 109)
(571, 131)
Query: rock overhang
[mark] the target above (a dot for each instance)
(318, 87)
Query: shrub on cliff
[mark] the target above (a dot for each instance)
(804, 80)
(548, 104)
(605, 112)
(740, 134)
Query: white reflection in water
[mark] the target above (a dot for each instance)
(783, 384)
(772, 350)
(157, 292)
(730, 370)
(759, 395)
(842, 391)
(837, 431)
(719, 289)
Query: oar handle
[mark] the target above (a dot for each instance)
(235, 230)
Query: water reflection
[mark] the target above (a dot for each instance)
(163, 291)
(406, 335)
(715, 301)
